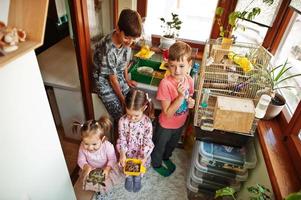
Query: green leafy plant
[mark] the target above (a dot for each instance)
(257, 192)
(226, 191)
(294, 196)
(171, 28)
(275, 78)
(248, 13)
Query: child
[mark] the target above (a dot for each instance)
(135, 134)
(96, 152)
(111, 58)
(175, 93)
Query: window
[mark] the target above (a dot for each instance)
(256, 30)
(197, 17)
(290, 48)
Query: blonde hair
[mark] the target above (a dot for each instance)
(93, 127)
(178, 51)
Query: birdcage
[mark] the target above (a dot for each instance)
(233, 73)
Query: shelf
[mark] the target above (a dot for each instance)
(24, 47)
(30, 16)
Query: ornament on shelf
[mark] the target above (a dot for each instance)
(10, 37)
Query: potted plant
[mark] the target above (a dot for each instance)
(171, 30)
(275, 78)
(247, 13)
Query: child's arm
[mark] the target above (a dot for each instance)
(116, 87)
(122, 142)
(131, 83)
(148, 145)
(169, 108)
(82, 162)
(111, 156)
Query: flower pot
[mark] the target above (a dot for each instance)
(275, 107)
(165, 42)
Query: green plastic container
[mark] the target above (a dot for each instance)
(143, 78)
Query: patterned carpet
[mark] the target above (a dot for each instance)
(158, 187)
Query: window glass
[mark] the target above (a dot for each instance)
(265, 18)
(197, 17)
(290, 48)
(296, 4)
(255, 32)
(252, 33)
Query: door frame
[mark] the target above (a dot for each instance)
(80, 26)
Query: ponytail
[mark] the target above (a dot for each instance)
(150, 111)
(102, 126)
(105, 124)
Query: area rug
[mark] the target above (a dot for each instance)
(157, 187)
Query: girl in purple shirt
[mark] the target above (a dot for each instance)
(135, 134)
(96, 152)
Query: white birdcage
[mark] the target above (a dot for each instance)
(224, 77)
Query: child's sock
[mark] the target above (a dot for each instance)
(137, 184)
(128, 184)
(170, 165)
(162, 171)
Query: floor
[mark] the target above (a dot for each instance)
(70, 150)
(157, 187)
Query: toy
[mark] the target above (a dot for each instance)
(145, 52)
(10, 37)
(95, 180)
(133, 167)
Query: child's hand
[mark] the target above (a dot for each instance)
(191, 102)
(181, 89)
(122, 160)
(86, 170)
(132, 83)
(143, 161)
(106, 171)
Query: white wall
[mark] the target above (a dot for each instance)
(4, 7)
(122, 4)
(32, 162)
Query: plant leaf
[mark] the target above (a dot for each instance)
(226, 191)
(289, 77)
(294, 196)
(282, 71)
(233, 17)
(219, 11)
(268, 2)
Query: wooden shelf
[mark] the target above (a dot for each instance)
(30, 16)
(24, 47)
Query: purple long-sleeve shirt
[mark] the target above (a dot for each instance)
(104, 156)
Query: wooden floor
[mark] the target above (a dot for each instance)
(70, 150)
